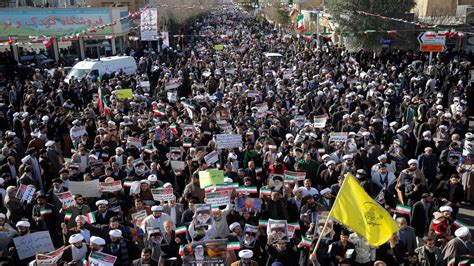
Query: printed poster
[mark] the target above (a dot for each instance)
(101, 259)
(210, 252)
(203, 215)
(218, 198)
(249, 237)
(66, 198)
(278, 229)
(149, 24)
(248, 204)
(111, 187)
(25, 192)
(162, 194)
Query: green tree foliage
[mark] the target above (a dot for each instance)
(247, 5)
(282, 15)
(344, 13)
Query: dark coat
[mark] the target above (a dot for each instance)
(420, 220)
(338, 250)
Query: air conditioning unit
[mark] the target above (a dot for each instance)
(469, 16)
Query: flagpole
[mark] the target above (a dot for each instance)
(327, 221)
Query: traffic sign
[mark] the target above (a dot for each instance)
(432, 42)
(432, 48)
(431, 38)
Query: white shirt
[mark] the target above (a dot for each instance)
(78, 254)
(86, 234)
(173, 214)
(312, 191)
(151, 222)
(119, 160)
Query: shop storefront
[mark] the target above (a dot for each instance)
(55, 34)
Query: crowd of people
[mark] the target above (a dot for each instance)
(393, 121)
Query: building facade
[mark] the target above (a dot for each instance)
(57, 32)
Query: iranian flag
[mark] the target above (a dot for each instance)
(262, 223)
(308, 37)
(327, 36)
(249, 134)
(49, 42)
(173, 129)
(443, 32)
(464, 262)
(459, 224)
(258, 170)
(187, 144)
(189, 105)
(91, 218)
(306, 242)
(181, 250)
(44, 212)
(300, 22)
(451, 261)
(159, 112)
(209, 188)
(233, 245)
(215, 210)
(128, 183)
(403, 209)
(67, 216)
(150, 150)
(181, 230)
(391, 32)
(289, 180)
(269, 36)
(349, 253)
(430, 34)
(232, 185)
(321, 150)
(265, 192)
(247, 190)
(287, 37)
(461, 34)
(295, 225)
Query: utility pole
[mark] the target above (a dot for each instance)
(317, 28)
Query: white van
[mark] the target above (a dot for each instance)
(104, 65)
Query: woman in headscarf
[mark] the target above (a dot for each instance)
(14, 206)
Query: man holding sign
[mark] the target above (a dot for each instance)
(195, 188)
(24, 248)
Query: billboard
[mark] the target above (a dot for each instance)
(52, 22)
(149, 24)
(125, 22)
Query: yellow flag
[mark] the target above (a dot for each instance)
(357, 210)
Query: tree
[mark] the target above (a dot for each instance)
(281, 15)
(247, 5)
(353, 24)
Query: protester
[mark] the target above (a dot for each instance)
(429, 254)
(460, 247)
